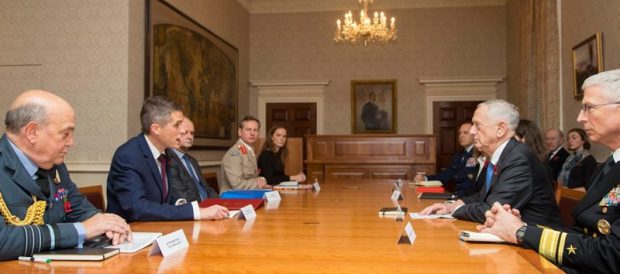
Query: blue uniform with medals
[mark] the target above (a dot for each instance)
(462, 172)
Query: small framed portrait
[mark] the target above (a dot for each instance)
(373, 106)
(587, 61)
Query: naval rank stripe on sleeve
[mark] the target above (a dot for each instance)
(52, 237)
(561, 247)
(549, 244)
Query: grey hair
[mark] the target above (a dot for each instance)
(19, 117)
(609, 81)
(156, 110)
(501, 110)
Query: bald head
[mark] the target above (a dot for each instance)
(41, 125)
(33, 106)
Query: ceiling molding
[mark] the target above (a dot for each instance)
(296, 6)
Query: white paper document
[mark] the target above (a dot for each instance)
(429, 183)
(470, 236)
(430, 216)
(140, 241)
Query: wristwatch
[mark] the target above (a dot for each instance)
(520, 234)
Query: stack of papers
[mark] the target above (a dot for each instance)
(470, 236)
(140, 241)
(429, 183)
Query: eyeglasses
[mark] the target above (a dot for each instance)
(588, 108)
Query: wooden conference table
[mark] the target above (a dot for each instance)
(336, 230)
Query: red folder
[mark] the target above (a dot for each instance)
(232, 204)
(430, 189)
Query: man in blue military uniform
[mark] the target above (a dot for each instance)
(40, 207)
(464, 168)
(592, 245)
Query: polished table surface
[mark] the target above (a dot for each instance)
(335, 230)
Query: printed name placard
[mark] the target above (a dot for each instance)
(316, 186)
(408, 235)
(272, 196)
(396, 195)
(247, 213)
(169, 243)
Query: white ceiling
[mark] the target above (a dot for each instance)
(291, 6)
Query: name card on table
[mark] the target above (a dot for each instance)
(272, 196)
(396, 195)
(170, 243)
(316, 186)
(247, 213)
(408, 236)
(398, 184)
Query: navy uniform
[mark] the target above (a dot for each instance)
(592, 245)
(239, 170)
(462, 172)
(555, 161)
(64, 206)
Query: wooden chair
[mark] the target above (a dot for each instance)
(94, 194)
(567, 200)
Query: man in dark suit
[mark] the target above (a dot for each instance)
(592, 245)
(513, 173)
(138, 186)
(554, 140)
(462, 172)
(186, 182)
(33, 176)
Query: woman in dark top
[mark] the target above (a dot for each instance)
(272, 158)
(528, 133)
(578, 166)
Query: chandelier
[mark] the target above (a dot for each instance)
(368, 29)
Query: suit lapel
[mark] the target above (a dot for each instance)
(599, 189)
(150, 161)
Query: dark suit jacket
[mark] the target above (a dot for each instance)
(521, 181)
(555, 163)
(182, 184)
(580, 174)
(17, 188)
(271, 167)
(460, 173)
(594, 252)
(134, 186)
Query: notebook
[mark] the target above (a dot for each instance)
(232, 204)
(440, 196)
(78, 254)
(392, 211)
(140, 240)
(469, 236)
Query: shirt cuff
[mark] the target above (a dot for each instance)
(81, 230)
(196, 211)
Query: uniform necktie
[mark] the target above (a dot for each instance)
(490, 169)
(43, 180)
(201, 190)
(163, 160)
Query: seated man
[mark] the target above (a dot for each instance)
(239, 169)
(513, 174)
(186, 182)
(462, 172)
(138, 178)
(592, 244)
(554, 141)
(39, 132)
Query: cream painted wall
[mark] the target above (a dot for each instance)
(92, 54)
(581, 19)
(513, 48)
(433, 42)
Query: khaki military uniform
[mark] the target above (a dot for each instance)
(239, 170)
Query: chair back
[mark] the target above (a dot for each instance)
(568, 199)
(212, 181)
(94, 194)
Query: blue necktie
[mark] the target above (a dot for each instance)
(201, 190)
(490, 168)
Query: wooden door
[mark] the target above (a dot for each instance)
(447, 117)
(298, 118)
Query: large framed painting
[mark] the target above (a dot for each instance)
(192, 66)
(373, 106)
(587, 61)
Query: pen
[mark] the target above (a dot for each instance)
(34, 259)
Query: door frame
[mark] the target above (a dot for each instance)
(457, 89)
(291, 92)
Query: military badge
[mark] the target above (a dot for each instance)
(243, 150)
(612, 198)
(603, 226)
(471, 162)
(234, 153)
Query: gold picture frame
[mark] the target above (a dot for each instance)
(373, 106)
(587, 61)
